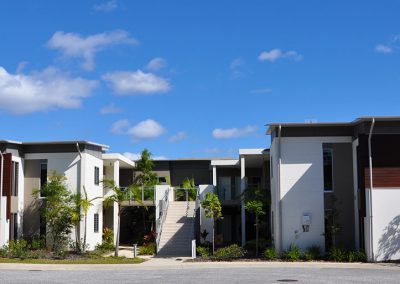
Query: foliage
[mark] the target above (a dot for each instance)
(188, 183)
(203, 251)
(104, 247)
(145, 165)
(293, 253)
(108, 236)
(256, 207)
(270, 254)
(356, 256)
(117, 195)
(18, 248)
(149, 238)
(338, 254)
(212, 206)
(148, 249)
(57, 209)
(37, 243)
(231, 252)
(213, 209)
(312, 253)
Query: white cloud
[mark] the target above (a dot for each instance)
(237, 66)
(261, 91)
(381, 48)
(136, 156)
(228, 133)
(146, 129)
(106, 6)
(72, 45)
(42, 90)
(137, 82)
(276, 53)
(111, 108)
(182, 135)
(156, 64)
(120, 126)
(21, 66)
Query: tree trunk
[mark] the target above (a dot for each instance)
(84, 234)
(256, 235)
(118, 229)
(213, 237)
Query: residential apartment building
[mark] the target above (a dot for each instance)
(318, 176)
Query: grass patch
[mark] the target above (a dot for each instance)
(102, 260)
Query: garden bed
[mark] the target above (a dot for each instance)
(81, 260)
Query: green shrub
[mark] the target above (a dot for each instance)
(104, 247)
(230, 252)
(338, 255)
(312, 253)
(37, 243)
(148, 249)
(356, 256)
(108, 236)
(293, 253)
(18, 248)
(36, 254)
(4, 251)
(270, 254)
(203, 251)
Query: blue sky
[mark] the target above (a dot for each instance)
(192, 78)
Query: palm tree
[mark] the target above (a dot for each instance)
(85, 203)
(116, 195)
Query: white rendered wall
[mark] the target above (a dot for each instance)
(21, 187)
(205, 223)
(301, 189)
(4, 223)
(69, 164)
(160, 192)
(386, 223)
(93, 191)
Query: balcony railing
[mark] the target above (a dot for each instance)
(144, 193)
(185, 194)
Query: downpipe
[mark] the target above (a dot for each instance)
(371, 232)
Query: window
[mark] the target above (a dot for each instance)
(96, 175)
(14, 179)
(96, 222)
(43, 176)
(14, 226)
(162, 180)
(328, 170)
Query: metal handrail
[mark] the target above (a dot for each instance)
(197, 205)
(161, 219)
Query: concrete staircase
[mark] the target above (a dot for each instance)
(177, 232)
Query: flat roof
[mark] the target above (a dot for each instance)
(359, 120)
(125, 162)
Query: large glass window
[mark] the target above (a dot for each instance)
(96, 175)
(14, 181)
(328, 170)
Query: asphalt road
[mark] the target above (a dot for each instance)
(234, 274)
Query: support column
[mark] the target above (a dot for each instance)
(242, 189)
(214, 169)
(115, 206)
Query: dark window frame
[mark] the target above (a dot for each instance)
(328, 182)
(96, 175)
(96, 222)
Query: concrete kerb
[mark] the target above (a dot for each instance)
(179, 263)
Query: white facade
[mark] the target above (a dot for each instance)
(297, 190)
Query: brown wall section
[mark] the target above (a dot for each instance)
(31, 205)
(383, 177)
(7, 174)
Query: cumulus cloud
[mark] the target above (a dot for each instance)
(276, 53)
(146, 129)
(156, 64)
(111, 108)
(382, 48)
(106, 6)
(220, 133)
(136, 156)
(72, 45)
(42, 90)
(137, 82)
(120, 126)
(182, 135)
